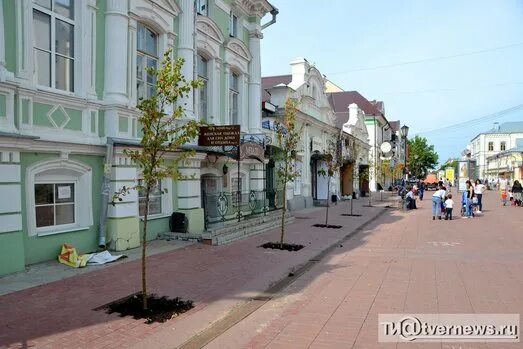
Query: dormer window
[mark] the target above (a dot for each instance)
(202, 7)
(233, 25)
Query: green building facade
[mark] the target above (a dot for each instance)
(71, 73)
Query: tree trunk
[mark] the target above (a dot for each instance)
(144, 245)
(284, 207)
(327, 210)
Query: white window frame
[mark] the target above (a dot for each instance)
(503, 146)
(204, 113)
(202, 7)
(60, 170)
(166, 200)
(54, 16)
(54, 204)
(145, 56)
(489, 146)
(233, 25)
(234, 93)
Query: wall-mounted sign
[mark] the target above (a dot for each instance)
(219, 135)
(317, 144)
(251, 150)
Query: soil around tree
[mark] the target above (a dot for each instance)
(327, 226)
(285, 246)
(160, 309)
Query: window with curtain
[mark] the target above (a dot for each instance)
(203, 92)
(53, 43)
(146, 57)
(233, 98)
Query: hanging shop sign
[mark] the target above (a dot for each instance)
(251, 150)
(219, 135)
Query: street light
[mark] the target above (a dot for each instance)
(404, 134)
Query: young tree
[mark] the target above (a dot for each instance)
(333, 161)
(422, 156)
(163, 132)
(288, 135)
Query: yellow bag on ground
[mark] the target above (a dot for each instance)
(70, 257)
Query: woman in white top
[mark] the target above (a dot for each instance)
(479, 188)
(437, 198)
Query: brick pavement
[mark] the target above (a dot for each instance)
(217, 278)
(403, 263)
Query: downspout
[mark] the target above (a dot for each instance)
(274, 13)
(106, 189)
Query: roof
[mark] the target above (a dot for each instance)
(340, 102)
(271, 81)
(395, 125)
(508, 127)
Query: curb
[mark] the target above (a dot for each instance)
(243, 310)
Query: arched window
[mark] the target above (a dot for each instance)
(233, 98)
(58, 196)
(146, 57)
(203, 74)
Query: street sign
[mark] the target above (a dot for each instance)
(219, 135)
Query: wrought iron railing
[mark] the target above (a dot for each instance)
(227, 206)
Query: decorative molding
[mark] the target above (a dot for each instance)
(57, 124)
(223, 6)
(207, 27)
(252, 7)
(238, 48)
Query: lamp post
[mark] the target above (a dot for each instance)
(404, 134)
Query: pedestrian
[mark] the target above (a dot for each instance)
(437, 197)
(411, 200)
(468, 195)
(517, 191)
(504, 197)
(449, 204)
(479, 189)
(421, 190)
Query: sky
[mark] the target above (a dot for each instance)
(434, 63)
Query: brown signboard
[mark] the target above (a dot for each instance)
(251, 150)
(219, 135)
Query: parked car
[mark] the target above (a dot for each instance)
(431, 182)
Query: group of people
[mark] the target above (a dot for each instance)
(471, 201)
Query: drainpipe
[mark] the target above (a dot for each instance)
(274, 13)
(106, 189)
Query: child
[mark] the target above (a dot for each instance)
(504, 197)
(449, 203)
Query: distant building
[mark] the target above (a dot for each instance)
(495, 151)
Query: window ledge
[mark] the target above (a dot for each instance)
(156, 216)
(68, 230)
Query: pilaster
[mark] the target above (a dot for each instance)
(186, 50)
(10, 190)
(188, 190)
(116, 52)
(255, 82)
(122, 218)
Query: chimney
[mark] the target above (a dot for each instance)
(300, 72)
(496, 126)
